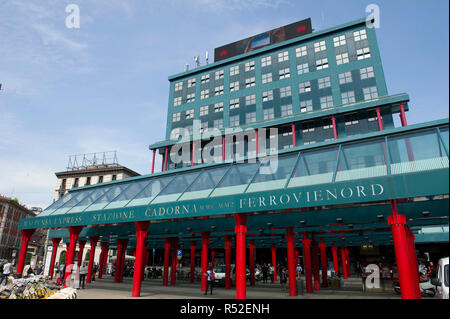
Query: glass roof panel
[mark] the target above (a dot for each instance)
(129, 193)
(205, 183)
(54, 206)
(362, 160)
(273, 174)
(91, 198)
(108, 196)
(236, 179)
(176, 187)
(76, 198)
(150, 191)
(315, 167)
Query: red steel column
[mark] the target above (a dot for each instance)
(81, 245)
(380, 122)
(344, 263)
(173, 268)
(167, 245)
(213, 257)
(296, 254)
(315, 264)
(204, 259)
(323, 261)
(227, 262)
(166, 153)
(413, 262)
(192, 274)
(118, 254)
(26, 235)
(335, 259)
(93, 241)
(251, 261)
(153, 161)
(103, 256)
(55, 242)
(333, 121)
(74, 233)
(402, 115)
(307, 263)
(241, 281)
(141, 235)
(290, 240)
(294, 140)
(274, 262)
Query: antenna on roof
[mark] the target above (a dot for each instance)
(197, 60)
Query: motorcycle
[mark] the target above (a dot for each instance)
(426, 288)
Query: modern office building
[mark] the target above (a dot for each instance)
(286, 142)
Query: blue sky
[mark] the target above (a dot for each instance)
(104, 86)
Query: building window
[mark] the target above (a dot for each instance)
(286, 110)
(234, 70)
(114, 177)
(320, 46)
(204, 94)
(218, 107)
(218, 90)
(189, 114)
(322, 64)
(266, 61)
(75, 183)
(324, 82)
(178, 86)
(360, 35)
(250, 117)
(219, 75)
(234, 121)
(249, 66)
(191, 83)
(363, 53)
(177, 101)
(326, 101)
(304, 87)
(250, 99)
(234, 104)
(285, 91)
(205, 78)
(267, 96)
(302, 68)
(234, 86)
(176, 117)
(190, 98)
(269, 114)
(367, 73)
(250, 82)
(306, 106)
(345, 77)
(100, 179)
(283, 56)
(204, 110)
(302, 51)
(284, 73)
(348, 97)
(342, 58)
(338, 41)
(218, 124)
(267, 78)
(370, 93)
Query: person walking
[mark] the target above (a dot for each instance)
(265, 272)
(271, 269)
(283, 278)
(298, 270)
(210, 276)
(83, 273)
(6, 272)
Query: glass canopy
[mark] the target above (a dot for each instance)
(416, 151)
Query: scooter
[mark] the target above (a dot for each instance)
(426, 288)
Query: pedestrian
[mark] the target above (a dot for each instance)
(6, 272)
(40, 268)
(83, 273)
(283, 278)
(265, 272)
(298, 270)
(94, 271)
(210, 276)
(271, 272)
(62, 271)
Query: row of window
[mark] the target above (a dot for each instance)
(283, 73)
